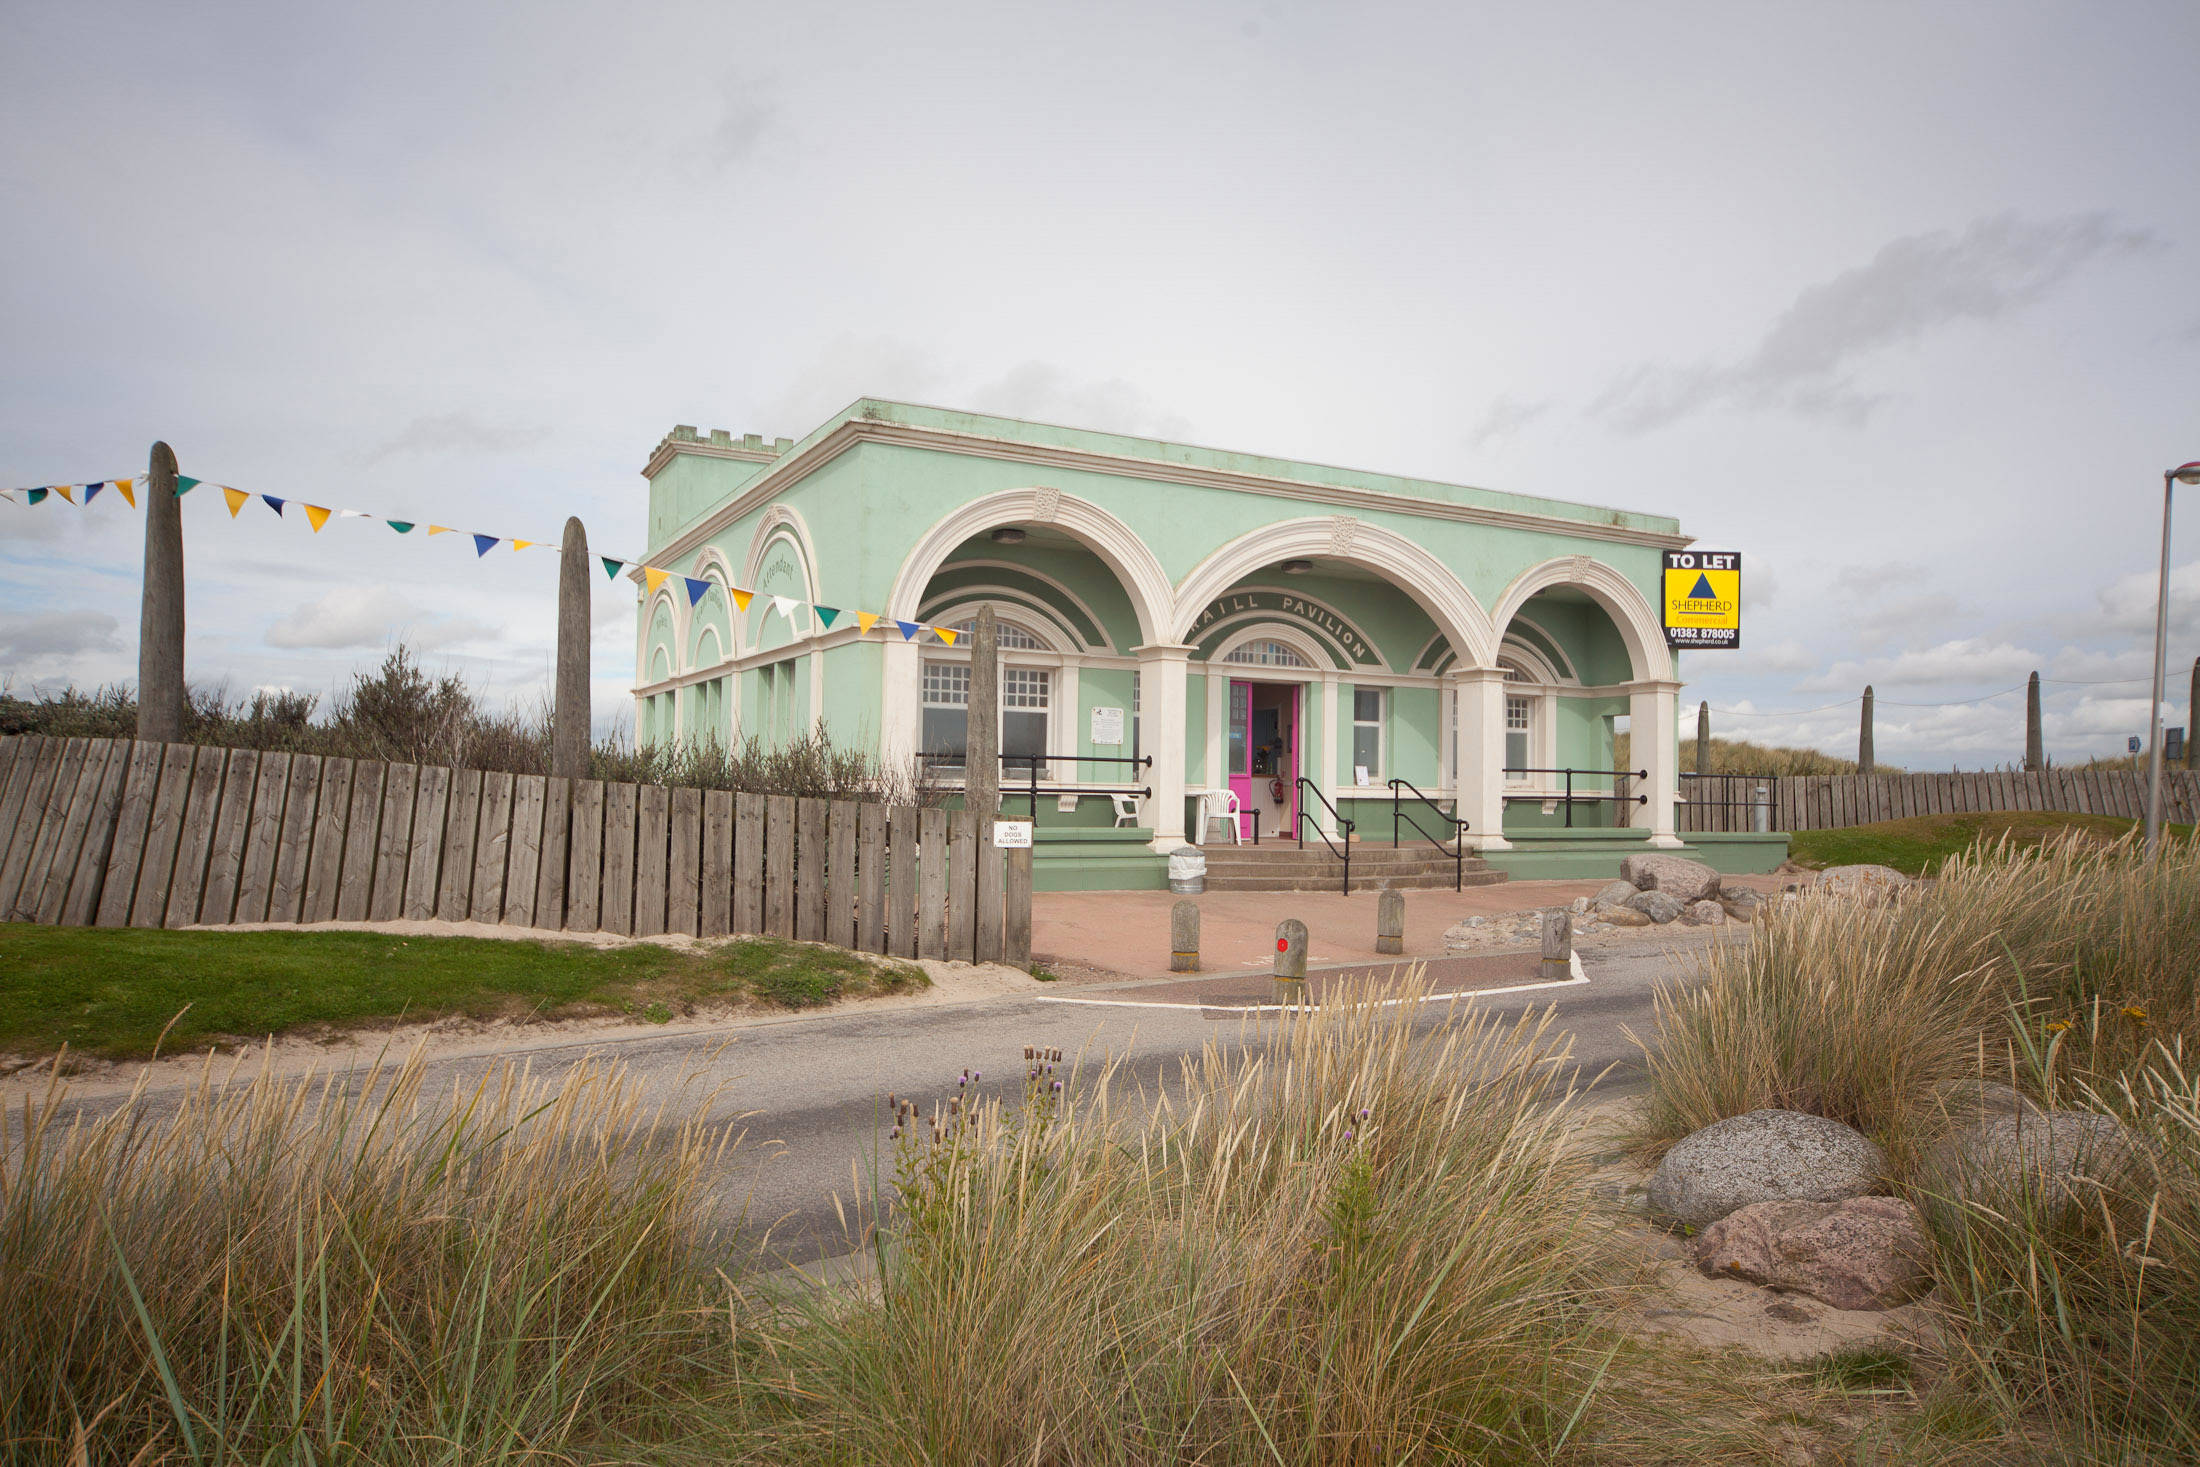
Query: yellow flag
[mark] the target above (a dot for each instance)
(654, 577)
(521, 544)
(63, 491)
(741, 598)
(318, 515)
(236, 498)
(124, 486)
(865, 620)
(945, 634)
(439, 529)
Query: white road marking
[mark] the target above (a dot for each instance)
(1579, 978)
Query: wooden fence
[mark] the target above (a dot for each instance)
(1837, 801)
(114, 833)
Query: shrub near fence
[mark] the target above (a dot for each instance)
(1838, 801)
(113, 832)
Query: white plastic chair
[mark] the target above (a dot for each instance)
(1126, 809)
(1221, 804)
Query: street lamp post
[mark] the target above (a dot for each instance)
(2171, 478)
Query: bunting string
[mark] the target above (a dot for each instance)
(317, 517)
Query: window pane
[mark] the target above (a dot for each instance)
(1367, 705)
(947, 683)
(1516, 750)
(946, 731)
(1023, 733)
(1367, 747)
(1025, 687)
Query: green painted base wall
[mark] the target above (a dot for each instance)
(1587, 855)
(1071, 859)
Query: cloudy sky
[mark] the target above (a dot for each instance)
(1901, 301)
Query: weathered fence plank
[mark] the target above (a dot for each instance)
(455, 885)
(195, 842)
(651, 821)
(962, 884)
(684, 863)
(810, 859)
(779, 865)
(871, 878)
(529, 791)
(263, 837)
(51, 822)
(10, 751)
(714, 911)
(492, 847)
(840, 873)
(617, 914)
(550, 878)
(424, 855)
(932, 883)
(355, 889)
(225, 857)
(18, 808)
(30, 815)
(901, 881)
(748, 863)
(991, 889)
(150, 899)
(1016, 919)
(393, 842)
(81, 900)
(325, 866)
(584, 887)
(133, 819)
(286, 899)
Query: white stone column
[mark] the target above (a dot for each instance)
(1652, 719)
(1329, 717)
(1481, 773)
(1162, 673)
(900, 704)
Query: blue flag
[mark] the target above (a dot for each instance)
(695, 589)
(483, 544)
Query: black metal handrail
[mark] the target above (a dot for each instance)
(1345, 827)
(1458, 851)
(1689, 782)
(1036, 762)
(1573, 799)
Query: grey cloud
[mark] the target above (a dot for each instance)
(1506, 416)
(2126, 606)
(1043, 391)
(1870, 580)
(848, 367)
(454, 433)
(371, 616)
(1967, 661)
(27, 639)
(747, 119)
(1914, 285)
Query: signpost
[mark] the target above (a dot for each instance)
(1702, 597)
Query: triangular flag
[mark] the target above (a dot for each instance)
(610, 566)
(521, 544)
(909, 629)
(237, 499)
(353, 514)
(865, 620)
(653, 578)
(318, 515)
(35, 496)
(93, 488)
(9, 494)
(403, 527)
(825, 615)
(122, 487)
(945, 634)
(785, 606)
(696, 589)
(185, 484)
(439, 529)
(63, 491)
(483, 544)
(741, 598)
(274, 503)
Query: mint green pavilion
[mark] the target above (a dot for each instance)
(1243, 621)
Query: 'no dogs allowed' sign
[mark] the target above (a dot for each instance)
(1703, 598)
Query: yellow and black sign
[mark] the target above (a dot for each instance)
(1703, 598)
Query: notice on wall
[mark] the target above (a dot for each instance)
(1012, 835)
(1703, 599)
(1107, 725)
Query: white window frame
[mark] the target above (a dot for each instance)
(1380, 723)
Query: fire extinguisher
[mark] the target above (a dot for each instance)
(1278, 790)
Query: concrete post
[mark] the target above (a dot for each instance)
(1864, 735)
(1390, 921)
(1558, 946)
(982, 742)
(2034, 755)
(569, 717)
(160, 614)
(1290, 975)
(1703, 740)
(1184, 937)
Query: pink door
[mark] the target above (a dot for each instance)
(1239, 754)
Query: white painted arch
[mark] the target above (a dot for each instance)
(1622, 600)
(1143, 580)
(1405, 564)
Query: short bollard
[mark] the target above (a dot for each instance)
(1390, 921)
(1558, 945)
(1184, 937)
(1290, 984)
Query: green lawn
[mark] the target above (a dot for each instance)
(109, 992)
(1918, 846)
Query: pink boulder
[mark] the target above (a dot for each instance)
(1861, 1253)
